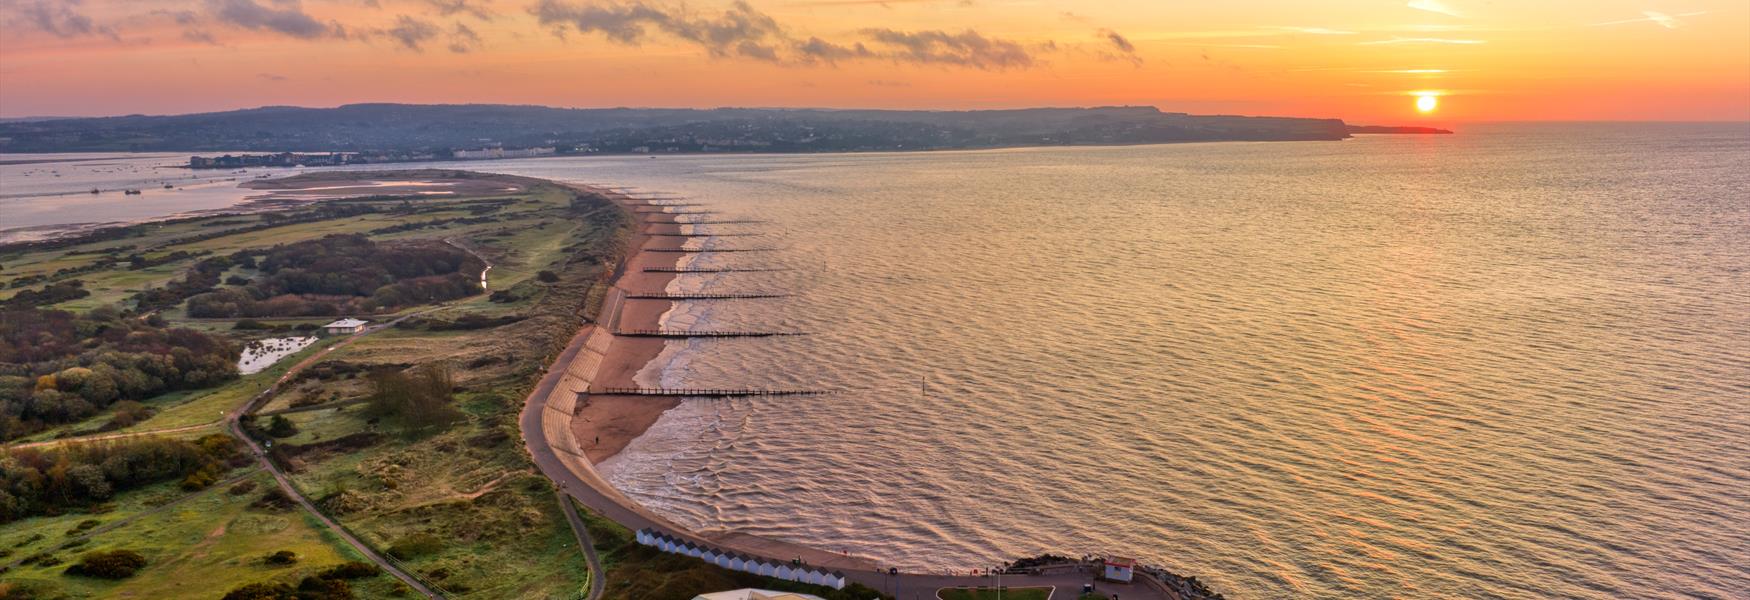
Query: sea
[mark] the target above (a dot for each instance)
(1512, 362)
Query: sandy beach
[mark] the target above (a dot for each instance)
(605, 424)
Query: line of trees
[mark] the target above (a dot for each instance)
(59, 367)
(62, 478)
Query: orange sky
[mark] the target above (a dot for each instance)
(1353, 59)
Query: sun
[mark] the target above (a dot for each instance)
(1427, 103)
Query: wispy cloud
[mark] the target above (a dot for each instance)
(58, 18)
(1422, 40)
(1659, 18)
(1316, 30)
(463, 39)
(741, 31)
(1119, 47)
(285, 16)
(1434, 6)
(411, 33)
(474, 8)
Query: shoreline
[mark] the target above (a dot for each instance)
(563, 417)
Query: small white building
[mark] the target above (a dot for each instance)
(753, 594)
(1119, 569)
(347, 326)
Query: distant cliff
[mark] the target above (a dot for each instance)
(411, 127)
(1388, 129)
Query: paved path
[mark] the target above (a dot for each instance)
(598, 578)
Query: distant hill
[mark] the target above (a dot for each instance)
(363, 127)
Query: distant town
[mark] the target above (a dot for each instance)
(330, 159)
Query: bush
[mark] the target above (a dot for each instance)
(242, 487)
(282, 557)
(113, 564)
(418, 544)
(547, 277)
(350, 570)
(263, 591)
(281, 427)
(273, 499)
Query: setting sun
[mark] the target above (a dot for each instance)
(1427, 104)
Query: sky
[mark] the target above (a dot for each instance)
(1365, 61)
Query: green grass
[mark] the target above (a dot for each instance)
(203, 548)
(1008, 593)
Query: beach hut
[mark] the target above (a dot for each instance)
(785, 572)
(814, 577)
(709, 555)
(836, 580)
(1119, 569)
(646, 537)
(737, 562)
(667, 544)
(766, 568)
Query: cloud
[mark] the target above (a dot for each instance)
(1422, 40)
(1316, 30)
(271, 77)
(1118, 41)
(286, 16)
(463, 39)
(741, 31)
(454, 7)
(967, 48)
(1121, 46)
(1659, 18)
(1434, 6)
(411, 33)
(58, 18)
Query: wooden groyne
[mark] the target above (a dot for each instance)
(702, 296)
(728, 222)
(707, 392)
(670, 333)
(678, 212)
(725, 270)
(702, 235)
(704, 250)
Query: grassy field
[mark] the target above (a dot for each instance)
(460, 506)
(201, 548)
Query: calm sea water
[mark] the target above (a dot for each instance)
(1512, 363)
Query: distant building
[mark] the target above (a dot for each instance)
(500, 152)
(753, 594)
(347, 326)
(1119, 569)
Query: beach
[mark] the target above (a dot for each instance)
(605, 424)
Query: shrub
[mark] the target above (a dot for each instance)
(242, 487)
(113, 564)
(418, 544)
(547, 277)
(281, 427)
(350, 570)
(263, 591)
(282, 557)
(273, 499)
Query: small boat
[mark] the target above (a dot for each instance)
(96, 191)
(167, 186)
(130, 192)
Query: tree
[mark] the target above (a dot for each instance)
(281, 427)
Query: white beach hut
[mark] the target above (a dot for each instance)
(646, 537)
(836, 580)
(785, 572)
(723, 559)
(737, 562)
(709, 555)
(668, 544)
(766, 568)
(812, 576)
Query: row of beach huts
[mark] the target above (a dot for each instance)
(792, 571)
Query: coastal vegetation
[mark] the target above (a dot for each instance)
(406, 436)
(57, 366)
